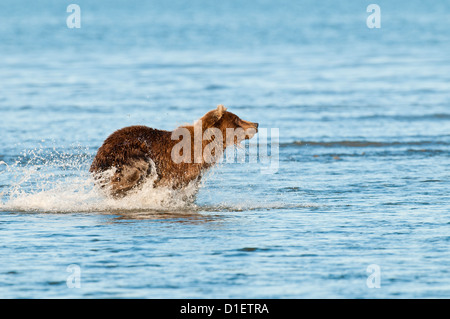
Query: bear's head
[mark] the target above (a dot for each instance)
(234, 130)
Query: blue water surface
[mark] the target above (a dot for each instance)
(363, 175)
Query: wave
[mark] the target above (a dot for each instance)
(349, 143)
(434, 116)
(394, 117)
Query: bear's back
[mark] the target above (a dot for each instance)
(127, 145)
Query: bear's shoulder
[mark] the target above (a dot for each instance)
(136, 133)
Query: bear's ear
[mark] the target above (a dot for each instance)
(212, 117)
(220, 111)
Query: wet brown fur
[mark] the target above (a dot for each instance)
(131, 150)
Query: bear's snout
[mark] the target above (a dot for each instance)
(252, 126)
(250, 130)
(249, 125)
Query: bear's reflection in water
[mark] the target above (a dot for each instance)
(186, 216)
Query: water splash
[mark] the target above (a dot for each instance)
(57, 180)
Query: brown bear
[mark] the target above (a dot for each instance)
(132, 154)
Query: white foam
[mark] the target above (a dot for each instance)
(49, 183)
(80, 195)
